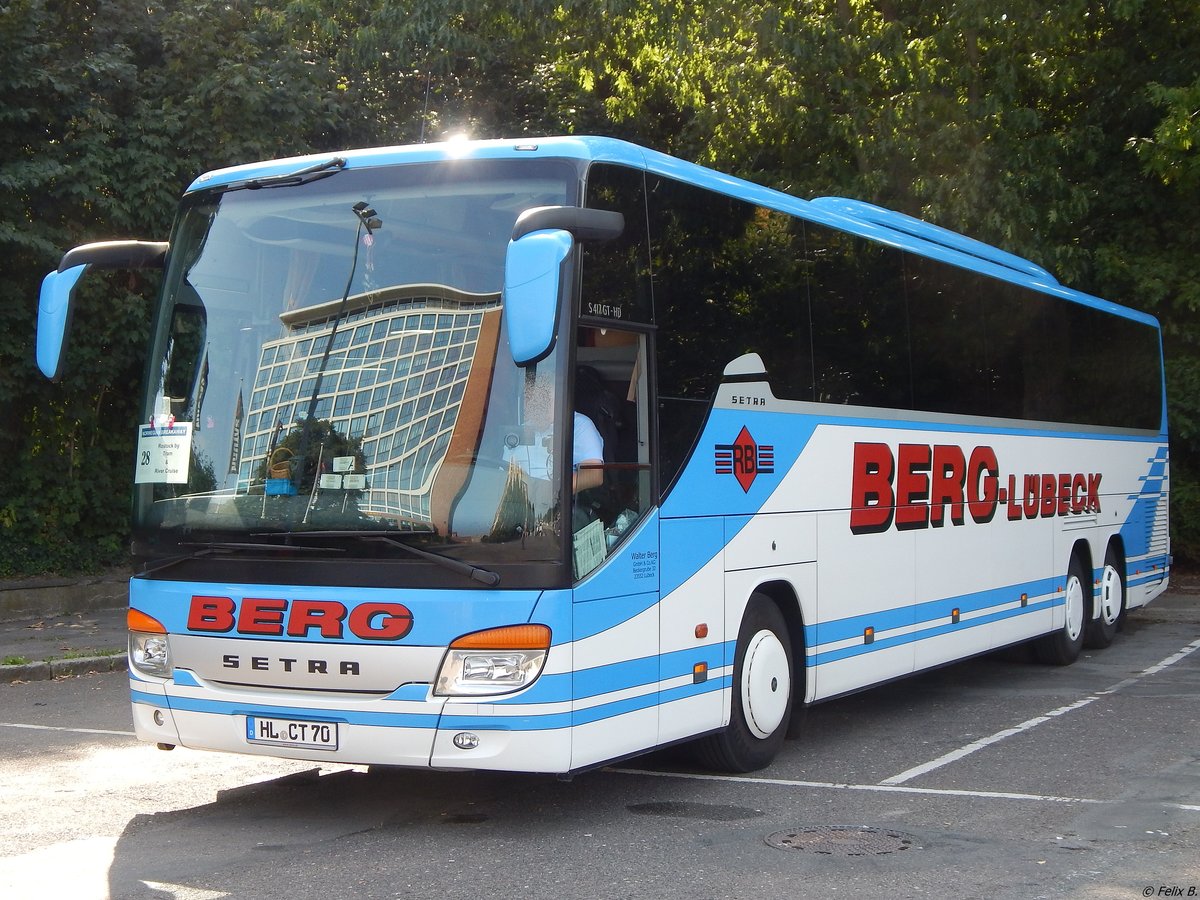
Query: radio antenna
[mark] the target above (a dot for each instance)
(425, 112)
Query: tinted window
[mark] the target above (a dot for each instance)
(616, 273)
(859, 330)
(728, 279)
(990, 348)
(839, 319)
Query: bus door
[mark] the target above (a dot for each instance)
(614, 549)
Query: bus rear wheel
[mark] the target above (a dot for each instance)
(1062, 647)
(1102, 629)
(762, 694)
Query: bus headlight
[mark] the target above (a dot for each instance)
(150, 654)
(149, 647)
(495, 661)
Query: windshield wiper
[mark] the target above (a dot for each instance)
(208, 548)
(475, 573)
(288, 179)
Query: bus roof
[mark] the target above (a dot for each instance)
(856, 217)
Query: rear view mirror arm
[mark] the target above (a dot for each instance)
(117, 255)
(581, 223)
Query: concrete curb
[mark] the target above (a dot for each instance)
(61, 668)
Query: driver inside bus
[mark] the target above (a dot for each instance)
(536, 458)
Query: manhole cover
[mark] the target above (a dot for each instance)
(843, 840)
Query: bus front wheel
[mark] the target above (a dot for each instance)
(762, 694)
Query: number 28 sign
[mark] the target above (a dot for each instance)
(163, 454)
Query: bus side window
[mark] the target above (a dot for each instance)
(611, 391)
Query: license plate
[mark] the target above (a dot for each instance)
(292, 733)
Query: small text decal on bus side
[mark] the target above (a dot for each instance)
(922, 486)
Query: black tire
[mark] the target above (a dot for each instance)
(1062, 647)
(762, 668)
(1102, 629)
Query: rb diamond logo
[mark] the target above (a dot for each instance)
(744, 459)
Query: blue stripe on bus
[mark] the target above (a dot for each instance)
(505, 722)
(635, 704)
(351, 717)
(598, 713)
(618, 676)
(529, 721)
(597, 616)
(925, 611)
(900, 640)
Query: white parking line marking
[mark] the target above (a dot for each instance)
(884, 788)
(877, 788)
(71, 730)
(955, 755)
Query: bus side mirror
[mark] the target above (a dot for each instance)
(535, 269)
(533, 288)
(58, 291)
(54, 319)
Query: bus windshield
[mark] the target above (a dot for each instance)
(328, 357)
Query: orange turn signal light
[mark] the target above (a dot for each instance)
(136, 620)
(510, 637)
(702, 630)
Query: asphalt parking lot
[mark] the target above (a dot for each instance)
(996, 777)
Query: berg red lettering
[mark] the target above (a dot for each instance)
(923, 485)
(912, 486)
(381, 621)
(211, 614)
(946, 484)
(324, 615)
(871, 488)
(275, 617)
(983, 485)
(261, 615)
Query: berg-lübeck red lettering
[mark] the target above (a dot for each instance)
(924, 486)
(274, 617)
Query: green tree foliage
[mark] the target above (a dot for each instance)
(110, 109)
(1064, 132)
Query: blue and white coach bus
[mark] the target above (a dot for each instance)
(533, 456)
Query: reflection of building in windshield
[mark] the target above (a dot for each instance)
(408, 374)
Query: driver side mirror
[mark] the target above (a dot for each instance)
(535, 272)
(54, 319)
(58, 291)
